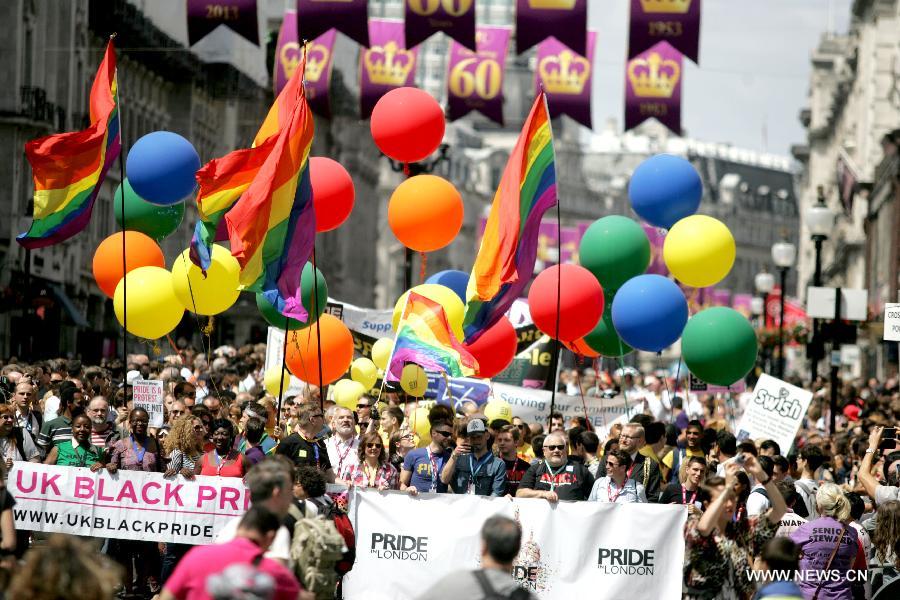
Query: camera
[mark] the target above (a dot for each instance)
(6, 389)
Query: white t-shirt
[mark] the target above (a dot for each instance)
(789, 523)
(757, 503)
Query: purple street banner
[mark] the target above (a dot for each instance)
(318, 63)
(673, 21)
(566, 77)
(475, 79)
(238, 15)
(657, 238)
(569, 239)
(315, 17)
(566, 20)
(653, 88)
(385, 65)
(424, 18)
(743, 303)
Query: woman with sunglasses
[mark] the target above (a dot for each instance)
(616, 487)
(373, 470)
(184, 445)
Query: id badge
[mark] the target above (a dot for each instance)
(471, 489)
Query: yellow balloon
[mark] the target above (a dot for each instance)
(413, 380)
(212, 294)
(418, 423)
(272, 381)
(347, 393)
(153, 307)
(381, 352)
(498, 409)
(447, 298)
(699, 251)
(364, 371)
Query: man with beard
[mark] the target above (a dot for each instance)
(472, 468)
(642, 470)
(557, 477)
(343, 444)
(422, 467)
(103, 434)
(507, 442)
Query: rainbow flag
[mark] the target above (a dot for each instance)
(223, 180)
(424, 337)
(272, 227)
(69, 168)
(505, 261)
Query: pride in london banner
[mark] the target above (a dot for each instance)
(612, 551)
(130, 505)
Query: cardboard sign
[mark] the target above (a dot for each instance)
(774, 412)
(148, 394)
(892, 322)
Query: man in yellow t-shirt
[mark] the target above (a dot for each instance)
(693, 436)
(523, 449)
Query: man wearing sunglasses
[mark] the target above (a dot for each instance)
(422, 467)
(472, 468)
(557, 477)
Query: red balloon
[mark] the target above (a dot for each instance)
(407, 124)
(495, 349)
(581, 348)
(333, 192)
(580, 304)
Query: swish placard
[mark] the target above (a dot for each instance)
(475, 79)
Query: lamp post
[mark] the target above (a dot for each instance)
(783, 255)
(764, 282)
(819, 220)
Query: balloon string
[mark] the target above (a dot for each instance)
(207, 345)
(423, 262)
(587, 421)
(318, 329)
(287, 323)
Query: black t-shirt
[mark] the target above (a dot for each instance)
(673, 495)
(304, 453)
(515, 470)
(571, 482)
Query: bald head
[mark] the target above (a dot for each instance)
(556, 449)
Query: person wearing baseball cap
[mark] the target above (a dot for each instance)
(472, 468)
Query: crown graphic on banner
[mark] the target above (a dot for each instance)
(290, 58)
(316, 60)
(666, 6)
(565, 73)
(389, 64)
(551, 4)
(653, 77)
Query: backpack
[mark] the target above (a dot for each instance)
(331, 511)
(316, 549)
(491, 594)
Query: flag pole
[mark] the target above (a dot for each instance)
(555, 358)
(124, 228)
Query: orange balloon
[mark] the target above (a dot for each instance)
(581, 348)
(425, 213)
(337, 351)
(140, 251)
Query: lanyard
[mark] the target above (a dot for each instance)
(342, 456)
(553, 476)
(475, 467)
(315, 447)
(612, 498)
(436, 465)
(684, 499)
(139, 454)
(370, 474)
(220, 461)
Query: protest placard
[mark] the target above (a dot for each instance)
(892, 322)
(131, 505)
(774, 412)
(612, 551)
(148, 394)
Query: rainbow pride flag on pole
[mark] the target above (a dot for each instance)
(69, 168)
(223, 180)
(272, 227)
(505, 261)
(424, 337)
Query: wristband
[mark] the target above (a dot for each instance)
(871, 451)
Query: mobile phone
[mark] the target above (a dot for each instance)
(740, 459)
(888, 439)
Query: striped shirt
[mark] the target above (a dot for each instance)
(55, 432)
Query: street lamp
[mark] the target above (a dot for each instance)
(764, 282)
(819, 220)
(783, 255)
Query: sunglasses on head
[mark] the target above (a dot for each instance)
(555, 447)
(371, 446)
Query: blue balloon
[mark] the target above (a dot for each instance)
(161, 167)
(649, 312)
(455, 280)
(665, 189)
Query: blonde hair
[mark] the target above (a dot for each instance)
(833, 503)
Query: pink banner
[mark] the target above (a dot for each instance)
(315, 17)
(318, 63)
(238, 15)
(424, 18)
(385, 65)
(475, 79)
(653, 87)
(566, 20)
(566, 76)
(657, 238)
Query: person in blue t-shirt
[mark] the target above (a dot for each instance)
(422, 467)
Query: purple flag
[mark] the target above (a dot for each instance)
(475, 79)
(568, 245)
(743, 303)
(566, 20)
(385, 65)
(653, 87)
(424, 18)
(318, 63)
(673, 21)
(315, 17)
(566, 77)
(718, 297)
(657, 238)
(238, 15)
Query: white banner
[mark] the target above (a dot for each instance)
(614, 551)
(774, 412)
(373, 322)
(130, 505)
(533, 406)
(148, 394)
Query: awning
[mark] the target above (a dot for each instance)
(67, 303)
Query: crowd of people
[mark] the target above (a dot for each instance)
(828, 503)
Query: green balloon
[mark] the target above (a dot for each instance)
(276, 319)
(719, 345)
(154, 220)
(604, 338)
(614, 249)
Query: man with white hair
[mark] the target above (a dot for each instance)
(103, 432)
(557, 477)
(342, 446)
(643, 470)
